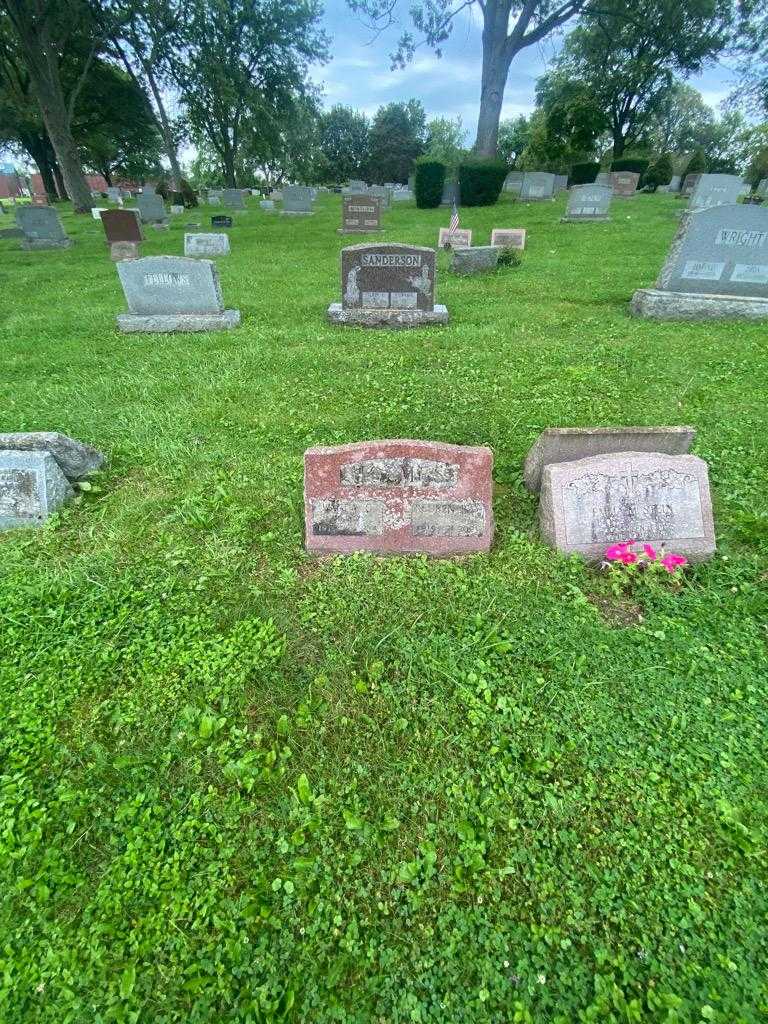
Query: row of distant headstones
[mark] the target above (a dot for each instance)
(597, 487)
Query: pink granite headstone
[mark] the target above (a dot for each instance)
(511, 238)
(398, 497)
(624, 183)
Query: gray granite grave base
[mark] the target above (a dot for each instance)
(297, 213)
(46, 243)
(584, 220)
(32, 487)
(658, 305)
(393, 318)
(11, 233)
(134, 323)
(359, 231)
(476, 259)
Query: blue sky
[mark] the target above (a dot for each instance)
(359, 74)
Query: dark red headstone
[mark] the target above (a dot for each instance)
(398, 497)
(122, 225)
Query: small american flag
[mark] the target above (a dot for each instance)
(454, 218)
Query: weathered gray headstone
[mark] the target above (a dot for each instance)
(646, 497)
(173, 293)
(74, 458)
(675, 183)
(233, 198)
(475, 260)
(513, 182)
(412, 182)
(588, 203)
(387, 285)
(383, 193)
(360, 214)
(450, 193)
(568, 444)
(42, 228)
(717, 268)
(214, 200)
(561, 183)
(537, 186)
(689, 184)
(32, 487)
(206, 244)
(603, 178)
(267, 204)
(297, 201)
(716, 190)
(152, 208)
(114, 195)
(625, 183)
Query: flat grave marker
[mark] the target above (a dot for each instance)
(398, 497)
(206, 244)
(458, 238)
(219, 220)
(509, 238)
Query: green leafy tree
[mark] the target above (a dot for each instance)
(659, 172)
(514, 135)
(626, 60)
(46, 35)
(344, 143)
(397, 138)
(574, 119)
(243, 69)
(508, 28)
(445, 140)
(749, 43)
(681, 121)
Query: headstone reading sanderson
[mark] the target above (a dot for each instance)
(717, 268)
(568, 444)
(398, 497)
(624, 183)
(716, 190)
(152, 209)
(42, 228)
(537, 186)
(207, 244)
(387, 285)
(588, 203)
(32, 487)
(297, 201)
(173, 293)
(233, 198)
(646, 497)
(509, 238)
(360, 214)
(459, 237)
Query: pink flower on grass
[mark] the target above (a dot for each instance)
(672, 562)
(621, 553)
(650, 552)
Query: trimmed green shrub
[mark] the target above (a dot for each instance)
(659, 172)
(481, 180)
(429, 182)
(697, 164)
(637, 164)
(584, 174)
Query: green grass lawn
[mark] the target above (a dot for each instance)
(238, 784)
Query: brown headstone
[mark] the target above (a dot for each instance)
(122, 226)
(360, 214)
(624, 183)
(388, 276)
(398, 497)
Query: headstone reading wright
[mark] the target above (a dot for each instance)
(42, 228)
(588, 203)
(398, 497)
(717, 268)
(387, 285)
(360, 214)
(173, 293)
(645, 497)
(207, 244)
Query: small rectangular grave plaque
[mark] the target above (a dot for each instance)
(646, 497)
(220, 221)
(509, 238)
(398, 497)
(207, 244)
(459, 238)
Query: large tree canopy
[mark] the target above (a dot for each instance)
(397, 138)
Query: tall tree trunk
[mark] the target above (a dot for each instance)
(60, 186)
(165, 127)
(36, 146)
(496, 61)
(41, 57)
(619, 144)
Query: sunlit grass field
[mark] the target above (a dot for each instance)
(241, 785)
